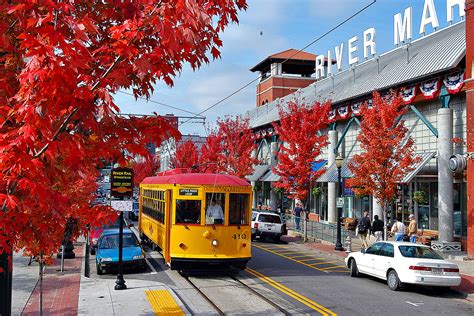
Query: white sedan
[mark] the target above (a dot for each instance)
(403, 262)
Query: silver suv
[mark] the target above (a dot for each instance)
(265, 224)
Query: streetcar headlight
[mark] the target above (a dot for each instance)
(106, 260)
(214, 242)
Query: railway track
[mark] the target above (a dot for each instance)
(229, 295)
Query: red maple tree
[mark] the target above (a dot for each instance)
(300, 145)
(387, 155)
(147, 167)
(60, 63)
(229, 148)
(186, 155)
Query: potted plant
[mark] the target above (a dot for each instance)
(317, 191)
(420, 197)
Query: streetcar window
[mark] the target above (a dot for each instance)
(188, 211)
(238, 209)
(215, 205)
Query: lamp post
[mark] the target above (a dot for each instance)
(339, 160)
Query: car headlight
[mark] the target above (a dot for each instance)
(138, 257)
(105, 259)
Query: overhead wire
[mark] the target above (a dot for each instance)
(297, 52)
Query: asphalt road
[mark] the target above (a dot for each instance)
(302, 282)
(335, 290)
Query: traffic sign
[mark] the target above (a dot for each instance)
(122, 205)
(340, 202)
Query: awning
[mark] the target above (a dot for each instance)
(425, 158)
(331, 173)
(316, 165)
(270, 177)
(258, 172)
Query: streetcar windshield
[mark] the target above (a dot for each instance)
(238, 209)
(215, 205)
(188, 211)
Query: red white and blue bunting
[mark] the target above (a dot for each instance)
(454, 82)
(332, 114)
(408, 94)
(356, 108)
(429, 88)
(343, 111)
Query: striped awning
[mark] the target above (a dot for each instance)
(258, 172)
(425, 158)
(331, 172)
(270, 177)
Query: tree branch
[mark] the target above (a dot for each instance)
(70, 116)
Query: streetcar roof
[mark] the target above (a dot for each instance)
(197, 179)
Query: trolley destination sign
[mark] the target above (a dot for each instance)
(121, 184)
(189, 192)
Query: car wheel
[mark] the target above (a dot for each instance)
(354, 269)
(252, 237)
(99, 270)
(276, 240)
(393, 281)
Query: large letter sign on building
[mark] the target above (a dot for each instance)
(402, 33)
(121, 184)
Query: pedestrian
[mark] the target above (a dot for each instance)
(398, 229)
(297, 212)
(363, 228)
(412, 228)
(377, 228)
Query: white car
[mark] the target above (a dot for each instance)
(266, 224)
(403, 262)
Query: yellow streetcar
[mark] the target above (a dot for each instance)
(197, 219)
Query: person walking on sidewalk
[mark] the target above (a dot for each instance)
(398, 229)
(377, 228)
(363, 228)
(298, 211)
(412, 228)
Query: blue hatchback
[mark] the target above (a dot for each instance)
(106, 258)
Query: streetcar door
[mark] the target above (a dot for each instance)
(169, 205)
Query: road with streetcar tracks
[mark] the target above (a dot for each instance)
(284, 279)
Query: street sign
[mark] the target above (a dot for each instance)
(340, 202)
(122, 205)
(121, 184)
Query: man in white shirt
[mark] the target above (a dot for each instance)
(215, 211)
(398, 229)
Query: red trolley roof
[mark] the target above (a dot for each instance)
(177, 177)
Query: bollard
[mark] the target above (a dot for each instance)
(348, 243)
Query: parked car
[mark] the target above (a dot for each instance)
(97, 231)
(133, 215)
(266, 224)
(106, 259)
(402, 263)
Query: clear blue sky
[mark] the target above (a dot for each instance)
(267, 27)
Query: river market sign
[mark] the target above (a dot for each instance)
(402, 33)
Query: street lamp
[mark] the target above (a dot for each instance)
(339, 161)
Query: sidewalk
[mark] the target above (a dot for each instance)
(466, 267)
(70, 293)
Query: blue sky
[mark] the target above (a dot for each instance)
(268, 27)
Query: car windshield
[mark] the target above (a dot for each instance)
(418, 252)
(112, 241)
(267, 218)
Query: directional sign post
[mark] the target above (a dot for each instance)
(121, 186)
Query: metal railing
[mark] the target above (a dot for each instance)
(315, 230)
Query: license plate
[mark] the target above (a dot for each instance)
(269, 225)
(437, 270)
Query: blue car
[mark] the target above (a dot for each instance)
(107, 253)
